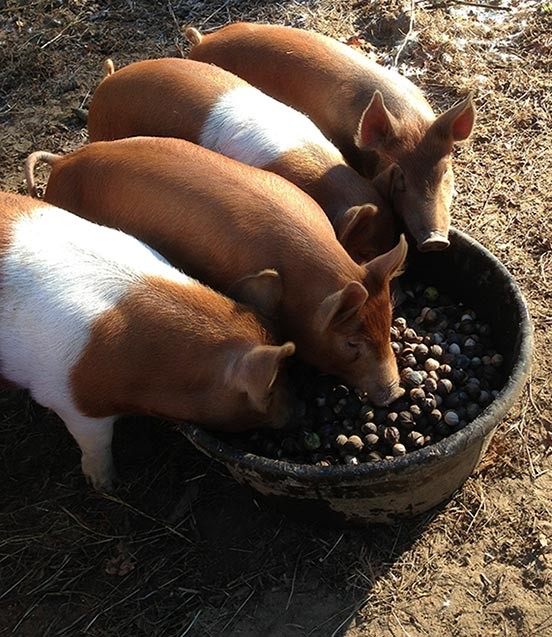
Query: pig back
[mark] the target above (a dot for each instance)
(152, 98)
(216, 218)
(329, 81)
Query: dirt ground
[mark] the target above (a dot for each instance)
(181, 549)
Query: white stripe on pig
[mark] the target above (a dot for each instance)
(68, 272)
(251, 127)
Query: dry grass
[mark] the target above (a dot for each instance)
(182, 549)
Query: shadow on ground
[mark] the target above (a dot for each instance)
(179, 546)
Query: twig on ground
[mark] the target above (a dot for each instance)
(408, 34)
(191, 624)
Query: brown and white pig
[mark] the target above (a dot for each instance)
(246, 232)
(96, 324)
(376, 117)
(214, 108)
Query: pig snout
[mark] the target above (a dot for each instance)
(433, 242)
(383, 386)
(386, 395)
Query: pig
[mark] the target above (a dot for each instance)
(96, 325)
(214, 108)
(250, 234)
(376, 117)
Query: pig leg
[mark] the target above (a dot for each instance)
(93, 436)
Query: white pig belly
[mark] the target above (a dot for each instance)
(58, 275)
(251, 127)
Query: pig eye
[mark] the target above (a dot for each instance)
(355, 349)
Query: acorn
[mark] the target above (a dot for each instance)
(430, 384)
(311, 441)
(374, 456)
(407, 360)
(325, 462)
(340, 391)
(400, 323)
(417, 394)
(395, 333)
(420, 352)
(473, 388)
(405, 420)
(462, 361)
(436, 339)
(431, 294)
(409, 335)
(475, 362)
(451, 417)
(398, 449)
(411, 378)
(431, 365)
(444, 386)
(436, 351)
(391, 435)
(423, 312)
(368, 428)
(371, 440)
(444, 370)
(429, 403)
(485, 398)
(400, 404)
(454, 349)
(415, 439)
(354, 445)
(366, 413)
(416, 411)
(341, 441)
(497, 360)
(434, 416)
(430, 316)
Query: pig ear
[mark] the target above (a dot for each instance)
(263, 291)
(257, 371)
(390, 264)
(456, 124)
(342, 306)
(377, 126)
(355, 230)
(389, 180)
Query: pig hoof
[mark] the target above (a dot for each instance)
(101, 479)
(101, 483)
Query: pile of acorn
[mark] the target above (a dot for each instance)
(448, 367)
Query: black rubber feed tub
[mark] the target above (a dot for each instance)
(414, 483)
